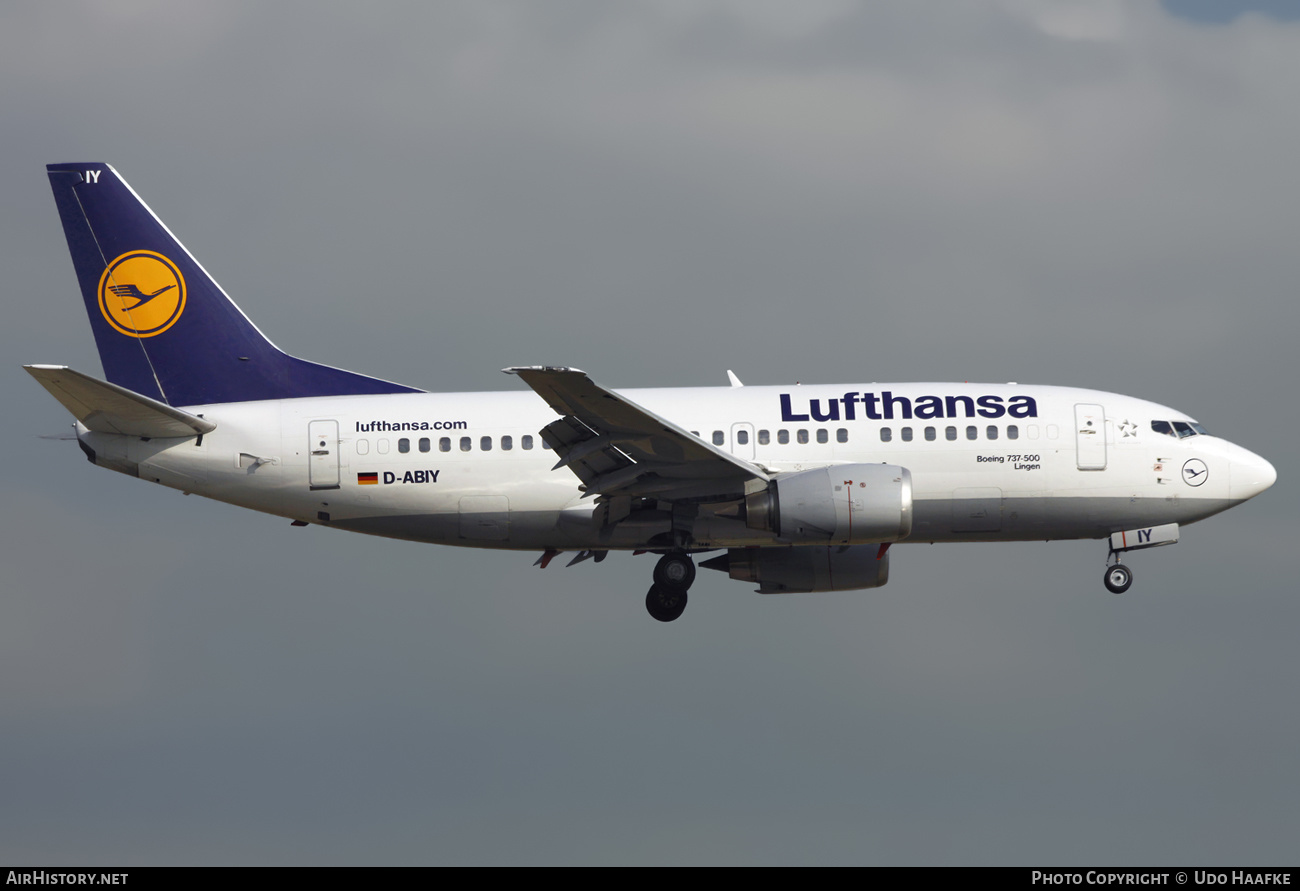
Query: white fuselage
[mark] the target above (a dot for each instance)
(988, 462)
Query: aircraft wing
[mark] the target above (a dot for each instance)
(616, 447)
(108, 408)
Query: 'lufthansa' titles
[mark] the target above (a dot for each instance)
(885, 406)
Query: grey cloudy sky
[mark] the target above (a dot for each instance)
(1099, 194)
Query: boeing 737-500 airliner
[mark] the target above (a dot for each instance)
(801, 488)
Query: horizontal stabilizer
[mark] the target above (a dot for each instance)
(108, 408)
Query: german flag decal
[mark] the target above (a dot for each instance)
(367, 479)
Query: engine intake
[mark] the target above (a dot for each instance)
(840, 504)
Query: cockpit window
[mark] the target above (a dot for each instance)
(1178, 429)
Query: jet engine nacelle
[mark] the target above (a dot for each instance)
(806, 569)
(840, 504)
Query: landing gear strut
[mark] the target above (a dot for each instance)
(666, 599)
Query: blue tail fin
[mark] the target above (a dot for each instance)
(163, 327)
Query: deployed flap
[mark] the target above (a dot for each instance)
(108, 408)
(616, 447)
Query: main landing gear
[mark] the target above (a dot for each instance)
(674, 573)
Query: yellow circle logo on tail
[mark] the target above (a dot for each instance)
(142, 293)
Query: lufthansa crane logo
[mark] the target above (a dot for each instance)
(1195, 472)
(141, 294)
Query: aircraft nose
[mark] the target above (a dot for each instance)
(1248, 475)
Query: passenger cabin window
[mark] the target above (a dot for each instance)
(526, 441)
(403, 445)
(842, 435)
(425, 445)
(886, 434)
(907, 434)
(465, 444)
(742, 437)
(507, 443)
(951, 433)
(991, 432)
(764, 438)
(485, 443)
(929, 434)
(802, 436)
(718, 438)
(1013, 432)
(822, 435)
(972, 432)
(444, 444)
(783, 437)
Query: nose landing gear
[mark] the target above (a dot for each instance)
(1118, 578)
(666, 599)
